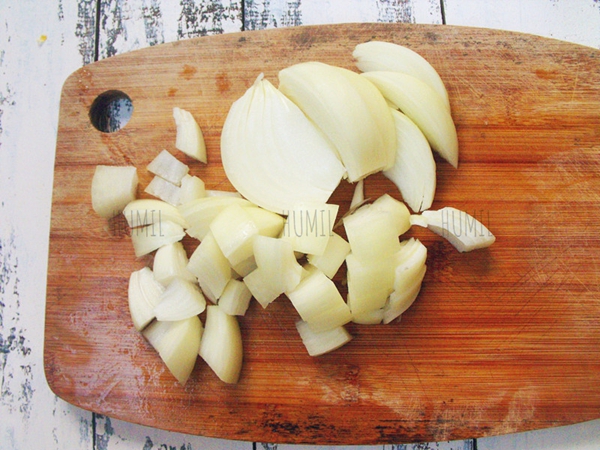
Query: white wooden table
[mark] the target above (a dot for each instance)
(41, 43)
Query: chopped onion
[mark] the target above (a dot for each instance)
(399, 213)
(319, 303)
(170, 261)
(423, 106)
(462, 230)
(164, 190)
(408, 275)
(273, 155)
(143, 295)
(144, 212)
(219, 193)
(169, 168)
(234, 230)
(377, 55)
(235, 298)
(199, 213)
(349, 111)
(358, 197)
(309, 226)
(177, 343)
(321, 342)
(372, 232)
(268, 223)
(181, 299)
(333, 257)
(149, 238)
(113, 187)
(277, 269)
(208, 264)
(221, 345)
(369, 317)
(402, 299)
(414, 170)
(370, 282)
(192, 188)
(189, 138)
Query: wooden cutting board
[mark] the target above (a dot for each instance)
(499, 341)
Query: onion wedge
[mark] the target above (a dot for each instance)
(377, 55)
(351, 113)
(423, 106)
(414, 171)
(273, 155)
(177, 343)
(221, 345)
(462, 230)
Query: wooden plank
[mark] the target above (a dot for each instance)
(502, 325)
(132, 24)
(262, 14)
(32, 71)
(560, 19)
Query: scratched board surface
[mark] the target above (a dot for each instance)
(500, 340)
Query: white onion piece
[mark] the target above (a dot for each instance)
(273, 155)
(199, 213)
(147, 239)
(169, 168)
(349, 111)
(164, 190)
(333, 257)
(113, 187)
(181, 299)
(370, 317)
(143, 295)
(402, 299)
(309, 225)
(408, 275)
(372, 233)
(192, 188)
(358, 197)
(319, 343)
(277, 270)
(418, 220)
(219, 193)
(177, 343)
(208, 264)
(189, 138)
(144, 212)
(399, 213)
(319, 303)
(235, 299)
(268, 223)
(234, 230)
(423, 106)
(377, 55)
(370, 282)
(170, 261)
(462, 230)
(414, 169)
(221, 345)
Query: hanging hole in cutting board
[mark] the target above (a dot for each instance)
(111, 111)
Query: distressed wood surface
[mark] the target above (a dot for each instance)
(496, 339)
(31, 75)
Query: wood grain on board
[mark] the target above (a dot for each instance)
(499, 341)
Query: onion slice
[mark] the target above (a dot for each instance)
(273, 155)
(424, 107)
(352, 114)
(414, 169)
(377, 55)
